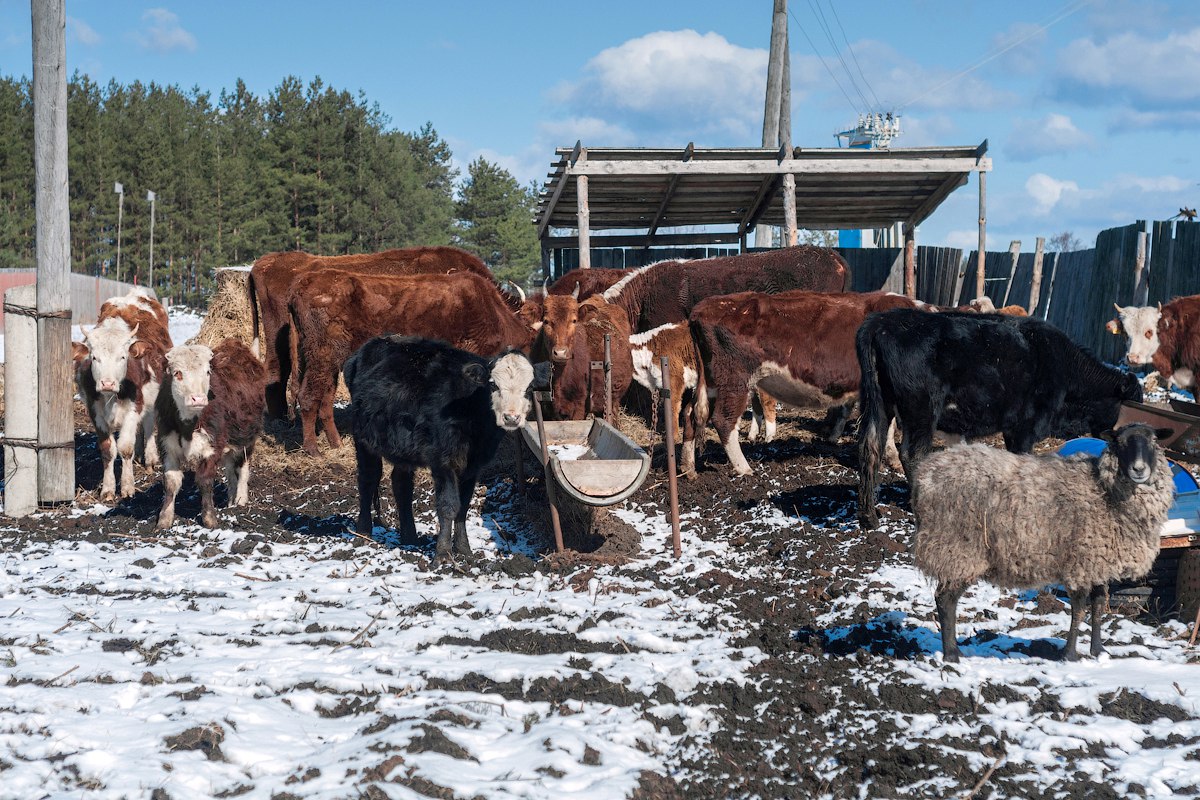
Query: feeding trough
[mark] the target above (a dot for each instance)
(590, 460)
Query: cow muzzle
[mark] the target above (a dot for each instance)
(511, 422)
(106, 386)
(197, 401)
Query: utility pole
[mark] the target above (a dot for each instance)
(56, 424)
(150, 197)
(120, 192)
(763, 236)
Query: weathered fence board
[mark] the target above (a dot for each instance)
(88, 293)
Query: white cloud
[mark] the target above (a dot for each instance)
(1048, 192)
(163, 33)
(898, 79)
(565, 132)
(1024, 58)
(926, 131)
(1127, 120)
(964, 239)
(1050, 135)
(1143, 72)
(1112, 16)
(81, 32)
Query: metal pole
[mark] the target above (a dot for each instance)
(120, 190)
(551, 492)
(150, 197)
(979, 262)
(669, 441)
(608, 416)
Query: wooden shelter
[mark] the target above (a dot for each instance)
(641, 192)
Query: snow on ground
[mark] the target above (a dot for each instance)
(183, 323)
(124, 664)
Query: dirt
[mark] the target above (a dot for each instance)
(782, 734)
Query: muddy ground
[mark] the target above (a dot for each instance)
(809, 706)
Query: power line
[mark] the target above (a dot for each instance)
(833, 8)
(822, 58)
(996, 54)
(824, 24)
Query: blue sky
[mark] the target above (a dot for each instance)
(1089, 120)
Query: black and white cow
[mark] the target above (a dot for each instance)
(118, 371)
(975, 375)
(422, 403)
(209, 415)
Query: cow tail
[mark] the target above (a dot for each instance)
(255, 324)
(700, 408)
(873, 424)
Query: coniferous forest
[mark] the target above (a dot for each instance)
(307, 167)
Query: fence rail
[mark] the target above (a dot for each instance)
(88, 293)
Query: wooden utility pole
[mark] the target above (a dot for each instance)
(56, 427)
(583, 214)
(1141, 279)
(774, 100)
(791, 234)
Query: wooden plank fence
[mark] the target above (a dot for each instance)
(88, 292)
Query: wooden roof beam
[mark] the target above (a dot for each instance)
(771, 166)
(688, 152)
(761, 202)
(558, 188)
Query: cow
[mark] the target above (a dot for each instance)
(271, 280)
(118, 368)
(583, 283)
(668, 290)
(797, 346)
(578, 389)
(210, 414)
(975, 375)
(333, 313)
(422, 403)
(673, 340)
(1167, 337)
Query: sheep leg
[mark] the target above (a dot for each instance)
(1078, 597)
(946, 599)
(1099, 598)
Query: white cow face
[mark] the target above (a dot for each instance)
(1140, 325)
(108, 347)
(189, 366)
(510, 378)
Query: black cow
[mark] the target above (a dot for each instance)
(422, 403)
(975, 375)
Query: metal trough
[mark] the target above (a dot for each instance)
(590, 460)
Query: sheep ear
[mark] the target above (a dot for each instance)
(1108, 436)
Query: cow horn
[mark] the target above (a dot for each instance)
(1118, 308)
(520, 292)
(575, 292)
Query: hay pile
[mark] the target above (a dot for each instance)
(229, 310)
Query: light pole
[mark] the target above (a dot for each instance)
(120, 191)
(150, 197)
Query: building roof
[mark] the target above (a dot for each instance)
(649, 189)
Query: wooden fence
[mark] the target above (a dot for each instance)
(88, 293)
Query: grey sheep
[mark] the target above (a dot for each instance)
(1025, 521)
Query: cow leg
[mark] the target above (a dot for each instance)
(206, 476)
(915, 443)
(309, 410)
(126, 440)
(1078, 599)
(370, 469)
(687, 429)
(946, 600)
(466, 492)
(236, 464)
(108, 483)
(768, 408)
(331, 431)
(890, 453)
(402, 491)
(756, 418)
(150, 452)
(1099, 597)
(279, 366)
(446, 493)
(728, 409)
(172, 479)
(835, 422)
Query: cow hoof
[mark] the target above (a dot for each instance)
(209, 520)
(127, 491)
(312, 450)
(107, 496)
(164, 523)
(868, 522)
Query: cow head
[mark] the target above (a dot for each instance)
(509, 377)
(106, 350)
(559, 318)
(1140, 326)
(190, 366)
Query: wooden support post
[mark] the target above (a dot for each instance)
(608, 415)
(56, 422)
(1141, 279)
(551, 490)
(910, 261)
(763, 236)
(20, 414)
(982, 258)
(584, 222)
(1035, 286)
(669, 443)
(1014, 254)
(546, 263)
(791, 234)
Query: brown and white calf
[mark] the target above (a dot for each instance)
(118, 368)
(1166, 336)
(799, 346)
(209, 415)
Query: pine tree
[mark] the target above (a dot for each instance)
(494, 215)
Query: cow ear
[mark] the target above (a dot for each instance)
(475, 373)
(138, 349)
(79, 352)
(1113, 326)
(542, 373)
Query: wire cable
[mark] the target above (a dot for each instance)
(822, 58)
(867, 83)
(824, 25)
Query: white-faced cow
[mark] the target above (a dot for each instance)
(209, 416)
(1167, 337)
(422, 403)
(118, 368)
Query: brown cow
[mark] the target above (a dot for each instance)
(667, 291)
(578, 390)
(271, 279)
(334, 312)
(1167, 337)
(583, 283)
(119, 367)
(799, 346)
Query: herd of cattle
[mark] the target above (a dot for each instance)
(438, 358)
